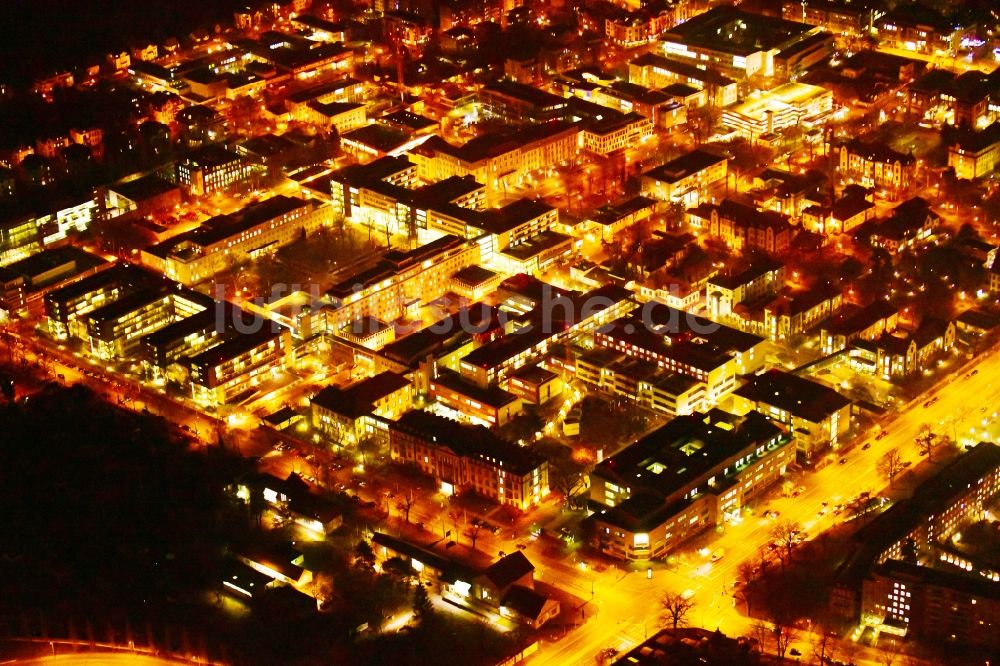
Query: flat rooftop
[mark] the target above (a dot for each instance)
(735, 31)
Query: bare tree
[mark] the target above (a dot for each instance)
(782, 637)
(890, 465)
(474, 533)
(404, 505)
(927, 441)
(888, 652)
(786, 534)
(823, 646)
(676, 608)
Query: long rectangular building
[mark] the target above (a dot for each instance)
(469, 458)
(229, 240)
(691, 474)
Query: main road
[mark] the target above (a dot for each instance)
(627, 604)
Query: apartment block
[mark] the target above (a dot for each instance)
(226, 241)
(694, 473)
(464, 458)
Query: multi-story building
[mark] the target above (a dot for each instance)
(792, 313)
(876, 165)
(840, 17)
(236, 367)
(912, 223)
(938, 605)
(636, 380)
(65, 307)
(683, 179)
(549, 324)
(616, 133)
(400, 279)
(918, 28)
(116, 330)
(225, 241)
(657, 71)
(789, 105)
(975, 154)
(612, 219)
(818, 415)
(345, 416)
(854, 323)
(677, 341)
(695, 472)
(743, 227)
(498, 160)
(464, 458)
(19, 238)
(492, 406)
(914, 529)
(518, 102)
(761, 278)
(211, 169)
(734, 41)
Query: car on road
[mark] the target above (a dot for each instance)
(798, 491)
(882, 435)
(772, 514)
(794, 652)
(906, 463)
(842, 461)
(867, 446)
(928, 403)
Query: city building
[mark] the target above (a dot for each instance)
(498, 160)
(854, 322)
(472, 458)
(935, 605)
(693, 473)
(616, 132)
(684, 179)
(876, 165)
(139, 197)
(491, 406)
(816, 414)
(677, 341)
(734, 41)
(914, 531)
(345, 416)
(233, 370)
(840, 17)
(211, 169)
(794, 313)
(641, 382)
(760, 279)
(657, 71)
(612, 219)
(788, 105)
(398, 281)
(743, 227)
(518, 102)
(919, 28)
(550, 323)
(912, 223)
(975, 154)
(226, 241)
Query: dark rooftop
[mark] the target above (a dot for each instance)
(796, 395)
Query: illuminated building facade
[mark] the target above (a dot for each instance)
(464, 458)
(226, 241)
(211, 170)
(399, 279)
(684, 178)
(693, 473)
(237, 366)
